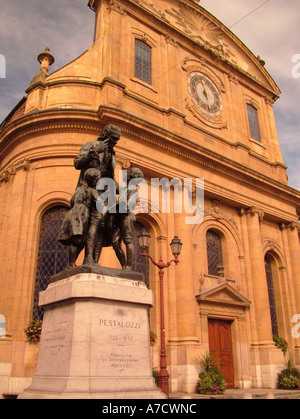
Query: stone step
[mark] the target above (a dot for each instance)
(243, 394)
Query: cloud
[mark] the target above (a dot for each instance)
(26, 28)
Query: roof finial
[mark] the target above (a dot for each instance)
(261, 61)
(45, 59)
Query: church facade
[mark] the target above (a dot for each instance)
(193, 103)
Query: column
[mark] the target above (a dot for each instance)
(185, 293)
(259, 282)
(185, 345)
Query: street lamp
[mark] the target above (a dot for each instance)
(144, 238)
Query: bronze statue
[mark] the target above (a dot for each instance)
(98, 154)
(75, 226)
(123, 222)
(85, 226)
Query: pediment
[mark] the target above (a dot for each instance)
(223, 294)
(207, 31)
(195, 22)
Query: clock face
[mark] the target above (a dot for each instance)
(205, 94)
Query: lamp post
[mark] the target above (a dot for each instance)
(144, 238)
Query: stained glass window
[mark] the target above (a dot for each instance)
(52, 255)
(140, 264)
(214, 252)
(271, 292)
(253, 123)
(142, 68)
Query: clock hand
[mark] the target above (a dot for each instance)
(206, 94)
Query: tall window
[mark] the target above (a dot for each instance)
(214, 252)
(52, 256)
(271, 292)
(140, 264)
(253, 122)
(142, 67)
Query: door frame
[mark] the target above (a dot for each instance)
(229, 322)
(224, 302)
(239, 340)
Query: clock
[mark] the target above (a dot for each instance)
(205, 94)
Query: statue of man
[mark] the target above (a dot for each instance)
(99, 155)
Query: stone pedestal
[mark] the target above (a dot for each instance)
(95, 340)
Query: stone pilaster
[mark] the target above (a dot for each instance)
(258, 273)
(294, 250)
(186, 302)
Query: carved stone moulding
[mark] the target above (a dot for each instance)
(113, 5)
(253, 211)
(289, 225)
(12, 169)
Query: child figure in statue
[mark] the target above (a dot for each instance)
(76, 223)
(124, 222)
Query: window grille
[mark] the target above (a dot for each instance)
(142, 68)
(52, 255)
(214, 252)
(140, 264)
(271, 292)
(253, 123)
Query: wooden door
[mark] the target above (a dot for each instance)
(220, 345)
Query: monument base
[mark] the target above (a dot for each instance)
(95, 340)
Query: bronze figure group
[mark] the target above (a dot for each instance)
(90, 226)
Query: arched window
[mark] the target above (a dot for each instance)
(142, 62)
(214, 253)
(52, 256)
(271, 292)
(140, 264)
(253, 122)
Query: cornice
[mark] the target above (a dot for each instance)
(145, 132)
(71, 80)
(92, 4)
(183, 148)
(46, 120)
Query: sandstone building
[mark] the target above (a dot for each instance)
(192, 102)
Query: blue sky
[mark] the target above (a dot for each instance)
(67, 27)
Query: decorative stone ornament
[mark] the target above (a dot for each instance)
(45, 59)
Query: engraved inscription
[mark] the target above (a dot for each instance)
(118, 323)
(118, 338)
(121, 336)
(122, 361)
(55, 338)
